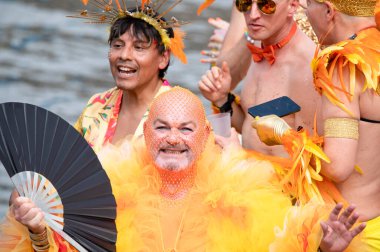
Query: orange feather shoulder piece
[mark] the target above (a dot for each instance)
(361, 54)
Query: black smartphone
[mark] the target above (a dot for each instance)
(281, 106)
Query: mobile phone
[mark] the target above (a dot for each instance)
(281, 106)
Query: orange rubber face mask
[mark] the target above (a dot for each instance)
(176, 131)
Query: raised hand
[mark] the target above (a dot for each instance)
(338, 231)
(28, 214)
(216, 40)
(215, 84)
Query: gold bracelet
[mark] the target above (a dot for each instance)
(341, 128)
(38, 237)
(41, 248)
(41, 242)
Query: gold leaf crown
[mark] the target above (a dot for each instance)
(111, 11)
(358, 8)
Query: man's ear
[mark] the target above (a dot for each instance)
(144, 128)
(207, 130)
(293, 6)
(329, 11)
(164, 59)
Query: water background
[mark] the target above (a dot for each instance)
(57, 62)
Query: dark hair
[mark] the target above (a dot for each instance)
(140, 29)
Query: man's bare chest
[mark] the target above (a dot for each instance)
(265, 85)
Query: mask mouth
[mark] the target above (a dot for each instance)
(173, 151)
(267, 7)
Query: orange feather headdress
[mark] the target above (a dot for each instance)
(148, 12)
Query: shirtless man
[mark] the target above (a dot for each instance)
(352, 131)
(289, 74)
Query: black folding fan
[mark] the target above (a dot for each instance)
(50, 162)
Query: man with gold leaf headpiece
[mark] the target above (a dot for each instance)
(346, 73)
(141, 42)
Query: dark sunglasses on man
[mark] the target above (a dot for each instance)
(267, 7)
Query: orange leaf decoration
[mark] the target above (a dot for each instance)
(177, 45)
(143, 2)
(204, 5)
(85, 2)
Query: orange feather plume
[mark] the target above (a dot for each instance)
(143, 2)
(85, 2)
(204, 5)
(177, 45)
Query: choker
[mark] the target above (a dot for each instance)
(268, 52)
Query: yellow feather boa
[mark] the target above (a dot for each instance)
(236, 204)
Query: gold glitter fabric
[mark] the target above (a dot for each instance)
(359, 8)
(341, 128)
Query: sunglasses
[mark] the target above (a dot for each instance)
(267, 7)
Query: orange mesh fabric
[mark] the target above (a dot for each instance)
(175, 136)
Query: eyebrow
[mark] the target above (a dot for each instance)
(182, 124)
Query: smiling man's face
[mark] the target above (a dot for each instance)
(176, 132)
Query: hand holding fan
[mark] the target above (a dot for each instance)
(50, 163)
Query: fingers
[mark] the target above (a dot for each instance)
(213, 54)
(335, 212)
(346, 215)
(26, 212)
(207, 82)
(208, 61)
(214, 45)
(325, 228)
(216, 40)
(358, 229)
(219, 23)
(210, 53)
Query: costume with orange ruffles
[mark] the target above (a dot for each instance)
(235, 203)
